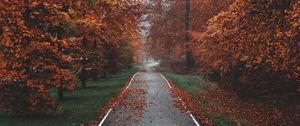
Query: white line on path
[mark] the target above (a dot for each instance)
(166, 80)
(130, 82)
(102, 121)
(194, 120)
(191, 115)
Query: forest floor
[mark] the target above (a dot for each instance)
(148, 101)
(82, 105)
(215, 106)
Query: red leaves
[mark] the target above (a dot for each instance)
(107, 34)
(254, 39)
(130, 104)
(298, 89)
(78, 5)
(134, 103)
(219, 102)
(40, 39)
(188, 105)
(166, 35)
(32, 60)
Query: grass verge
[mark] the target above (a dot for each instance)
(194, 85)
(226, 108)
(185, 82)
(80, 105)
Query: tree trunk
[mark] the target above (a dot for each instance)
(189, 57)
(60, 93)
(95, 76)
(83, 85)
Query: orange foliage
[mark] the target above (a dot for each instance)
(32, 61)
(166, 40)
(43, 41)
(189, 106)
(223, 103)
(256, 40)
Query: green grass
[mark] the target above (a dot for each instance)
(223, 121)
(80, 105)
(185, 82)
(192, 83)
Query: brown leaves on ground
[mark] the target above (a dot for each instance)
(219, 102)
(134, 104)
(129, 104)
(112, 103)
(189, 106)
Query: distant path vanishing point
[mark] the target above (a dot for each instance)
(148, 102)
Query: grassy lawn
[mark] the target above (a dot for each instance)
(193, 84)
(185, 82)
(80, 105)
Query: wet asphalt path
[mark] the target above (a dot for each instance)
(157, 110)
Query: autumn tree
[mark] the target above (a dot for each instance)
(253, 47)
(101, 27)
(166, 34)
(120, 34)
(44, 44)
(32, 60)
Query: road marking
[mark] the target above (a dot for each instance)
(102, 121)
(131, 80)
(166, 80)
(194, 120)
(191, 115)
